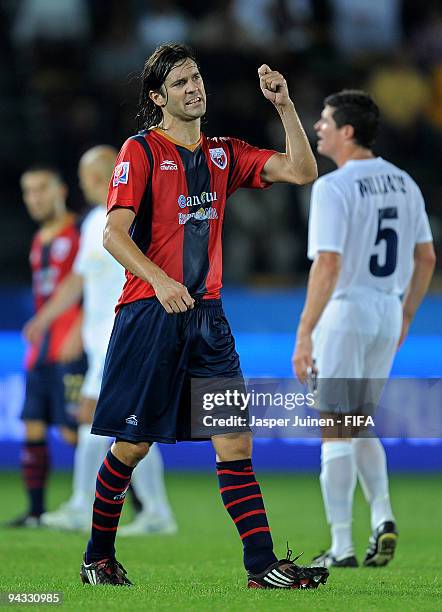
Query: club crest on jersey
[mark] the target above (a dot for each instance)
(219, 157)
(121, 174)
(60, 248)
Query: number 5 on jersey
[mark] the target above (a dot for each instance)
(389, 235)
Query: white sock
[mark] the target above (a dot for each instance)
(89, 455)
(148, 483)
(338, 481)
(371, 464)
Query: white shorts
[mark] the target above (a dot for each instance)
(92, 380)
(356, 338)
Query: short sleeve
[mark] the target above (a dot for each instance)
(246, 165)
(423, 230)
(328, 220)
(129, 179)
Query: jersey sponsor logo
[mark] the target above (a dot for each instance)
(132, 420)
(197, 200)
(219, 157)
(202, 214)
(121, 174)
(45, 281)
(168, 164)
(60, 248)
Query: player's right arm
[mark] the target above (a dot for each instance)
(173, 296)
(322, 281)
(126, 191)
(326, 239)
(68, 293)
(424, 263)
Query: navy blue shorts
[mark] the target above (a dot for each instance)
(151, 358)
(53, 391)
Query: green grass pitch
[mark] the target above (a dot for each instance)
(200, 568)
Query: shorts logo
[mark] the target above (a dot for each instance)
(168, 164)
(121, 174)
(45, 280)
(132, 420)
(219, 157)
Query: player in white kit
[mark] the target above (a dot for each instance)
(99, 278)
(371, 244)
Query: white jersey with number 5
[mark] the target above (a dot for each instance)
(373, 214)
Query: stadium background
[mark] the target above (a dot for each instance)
(68, 79)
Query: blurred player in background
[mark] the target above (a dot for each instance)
(371, 242)
(165, 212)
(55, 364)
(99, 277)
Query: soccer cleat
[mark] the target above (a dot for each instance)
(326, 559)
(284, 574)
(106, 571)
(147, 524)
(381, 545)
(67, 518)
(27, 521)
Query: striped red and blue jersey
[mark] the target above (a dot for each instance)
(50, 262)
(178, 194)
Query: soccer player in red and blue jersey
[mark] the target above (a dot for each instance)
(166, 207)
(55, 365)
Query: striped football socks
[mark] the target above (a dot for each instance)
(242, 499)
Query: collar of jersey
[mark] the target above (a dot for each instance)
(191, 147)
(358, 161)
(49, 234)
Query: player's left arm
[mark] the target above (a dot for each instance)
(322, 280)
(297, 165)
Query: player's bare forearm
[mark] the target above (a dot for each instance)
(72, 347)
(68, 293)
(299, 159)
(121, 246)
(173, 296)
(323, 277)
(297, 165)
(322, 281)
(424, 263)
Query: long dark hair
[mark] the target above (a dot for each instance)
(154, 73)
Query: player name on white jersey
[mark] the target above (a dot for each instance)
(381, 184)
